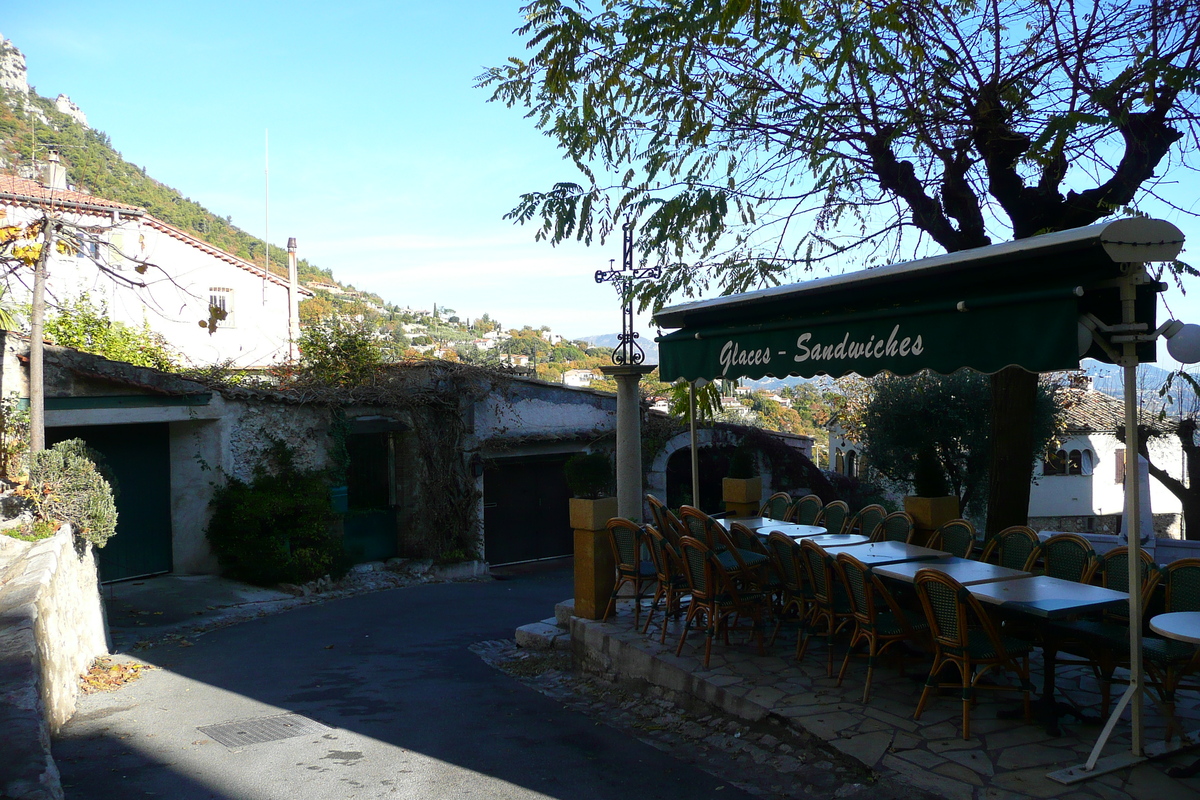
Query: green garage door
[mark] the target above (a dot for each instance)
(139, 457)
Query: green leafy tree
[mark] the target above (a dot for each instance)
(82, 325)
(749, 141)
(927, 429)
(339, 353)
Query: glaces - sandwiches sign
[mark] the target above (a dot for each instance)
(806, 349)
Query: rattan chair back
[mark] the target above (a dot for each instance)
(1015, 548)
(817, 570)
(805, 510)
(785, 555)
(776, 506)
(701, 526)
(626, 538)
(956, 537)
(895, 527)
(866, 520)
(833, 516)
(1182, 581)
(1068, 557)
(1112, 572)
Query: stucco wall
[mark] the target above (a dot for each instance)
(176, 296)
(51, 629)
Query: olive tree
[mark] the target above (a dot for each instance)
(751, 140)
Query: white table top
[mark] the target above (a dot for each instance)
(875, 554)
(828, 540)
(964, 570)
(794, 531)
(753, 523)
(1181, 625)
(1047, 597)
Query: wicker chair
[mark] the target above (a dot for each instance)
(776, 506)
(833, 516)
(878, 619)
(796, 596)
(1103, 639)
(805, 510)
(658, 510)
(715, 598)
(701, 526)
(831, 604)
(672, 581)
(1069, 557)
(763, 576)
(1168, 661)
(626, 539)
(866, 520)
(956, 537)
(1015, 548)
(965, 636)
(895, 527)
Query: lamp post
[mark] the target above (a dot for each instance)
(628, 369)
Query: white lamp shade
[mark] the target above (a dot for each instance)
(1085, 339)
(1184, 346)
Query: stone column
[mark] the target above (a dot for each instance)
(629, 439)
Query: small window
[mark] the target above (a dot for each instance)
(1120, 462)
(839, 463)
(1075, 463)
(1055, 463)
(1087, 463)
(852, 464)
(222, 298)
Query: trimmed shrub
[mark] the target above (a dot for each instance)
(65, 484)
(589, 475)
(275, 528)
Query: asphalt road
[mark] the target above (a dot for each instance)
(412, 712)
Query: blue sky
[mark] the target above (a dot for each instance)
(386, 164)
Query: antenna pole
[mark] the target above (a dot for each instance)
(266, 211)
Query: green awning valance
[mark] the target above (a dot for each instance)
(1039, 335)
(1018, 303)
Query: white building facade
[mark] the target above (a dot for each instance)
(145, 271)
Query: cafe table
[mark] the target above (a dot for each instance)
(828, 540)
(793, 530)
(753, 523)
(964, 570)
(1047, 598)
(1183, 626)
(878, 554)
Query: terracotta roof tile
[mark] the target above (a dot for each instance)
(1091, 410)
(11, 184)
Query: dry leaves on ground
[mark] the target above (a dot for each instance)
(105, 676)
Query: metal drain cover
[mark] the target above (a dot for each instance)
(266, 729)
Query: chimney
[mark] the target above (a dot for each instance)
(54, 174)
(1081, 380)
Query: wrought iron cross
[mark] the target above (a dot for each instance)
(628, 352)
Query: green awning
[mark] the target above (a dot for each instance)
(1018, 303)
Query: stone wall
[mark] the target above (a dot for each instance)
(51, 629)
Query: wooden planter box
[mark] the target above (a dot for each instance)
(592, 515)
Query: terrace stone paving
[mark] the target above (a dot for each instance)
(1003, 759)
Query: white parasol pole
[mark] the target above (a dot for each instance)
(1133, 500)
(695, 452)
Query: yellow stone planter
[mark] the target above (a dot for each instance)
(742, 490)
(592, 515)
(595, 567)
(930, 513)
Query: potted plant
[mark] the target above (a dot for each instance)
(743, 487)
(933, 505)
(590, 479)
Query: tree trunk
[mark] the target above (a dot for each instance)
(37, 318)
(1014, 392)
